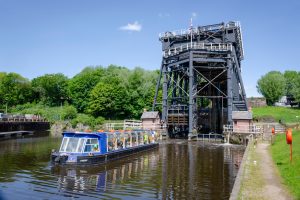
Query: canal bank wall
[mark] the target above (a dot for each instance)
(238, 180)
(9, 126)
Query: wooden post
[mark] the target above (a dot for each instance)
(291, 153)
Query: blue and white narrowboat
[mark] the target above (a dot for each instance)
(101, 147)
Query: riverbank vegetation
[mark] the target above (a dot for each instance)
(112, 92)
(289, 172)
(286, 115)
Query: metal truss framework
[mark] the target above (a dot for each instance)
(202, 81)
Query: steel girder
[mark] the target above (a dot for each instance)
(193, 76)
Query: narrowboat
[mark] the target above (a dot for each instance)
(82, 148)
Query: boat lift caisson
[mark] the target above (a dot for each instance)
(100, 147)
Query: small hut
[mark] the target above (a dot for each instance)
(150, 120)
(242, 120)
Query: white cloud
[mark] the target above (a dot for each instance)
(132, 27)
(194, 14)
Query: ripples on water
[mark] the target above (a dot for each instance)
(177, 170)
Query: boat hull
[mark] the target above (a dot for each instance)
(58, 159)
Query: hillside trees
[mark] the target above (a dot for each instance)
(14, 89)
(81, 85)
(51, 89)
(141, 89)
(114, 92)
(109, 100)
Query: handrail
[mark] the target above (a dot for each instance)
(204, 46)
(197, 30)
(22, 120)
(242, 129)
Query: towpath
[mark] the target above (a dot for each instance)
(260, 178)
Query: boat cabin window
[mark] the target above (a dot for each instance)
(127, 140)
(141, 138)
(120, 140)
(71, 144)
(91, 145)
(110, 142)
(146, 138)
(134, 139)
(153, 137)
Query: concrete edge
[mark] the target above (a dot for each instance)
(237, 183)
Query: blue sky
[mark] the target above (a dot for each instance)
(40, 36)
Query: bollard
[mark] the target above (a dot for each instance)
(273, 131)
(289, 140)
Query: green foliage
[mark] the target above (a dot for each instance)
(14, 89)
(286, 115)
(295, 91)
(289, 172)
(141, 88)
(114, 92)
(290, 81)
(84, 119)
(69, 112)
(51, 89)
(99, 120)
(81, 85)
(108, 99)
(271, 86)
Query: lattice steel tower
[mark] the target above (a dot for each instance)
(201, 78)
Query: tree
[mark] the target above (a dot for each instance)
(14, 89)
(69, 112)
(290, 81)
(81, 85)
(141, 88)
(296, 89)
(51, 89)
(108, 99)
(271, 86)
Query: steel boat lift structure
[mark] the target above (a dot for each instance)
(201, 79)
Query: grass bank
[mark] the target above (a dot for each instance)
(285, 114)
(290, 172)
(252, 181)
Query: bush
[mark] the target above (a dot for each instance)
(86, 120)
(69, 112)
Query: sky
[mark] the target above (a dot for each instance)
(65, 36)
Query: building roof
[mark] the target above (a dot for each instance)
(241, 115)
(150, 115)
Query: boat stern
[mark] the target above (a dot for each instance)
(63, 158)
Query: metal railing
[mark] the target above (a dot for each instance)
(22, 120)
(132, 124)
(127, 124)
(195, 45)
(249, 129)
(197, 30)
(211, 137)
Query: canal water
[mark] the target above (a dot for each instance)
(178, 169)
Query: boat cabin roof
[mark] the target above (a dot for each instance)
(83, 134)
(98, 134)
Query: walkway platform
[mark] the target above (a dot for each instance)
(11, 134)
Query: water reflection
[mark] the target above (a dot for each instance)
(198, 171)
(177, 170)
(106, 177)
